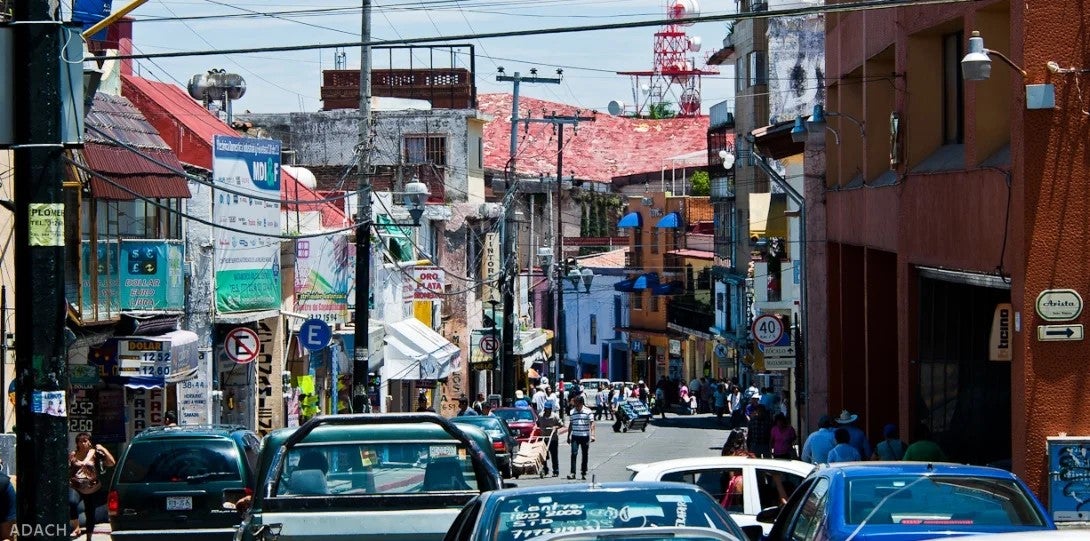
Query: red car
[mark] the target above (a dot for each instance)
(521, 421)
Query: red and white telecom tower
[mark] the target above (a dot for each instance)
(675, 78)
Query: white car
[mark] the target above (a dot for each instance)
(765, 482)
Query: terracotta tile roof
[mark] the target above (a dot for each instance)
(613, 259)
(189, 128)
(693, 254)
(116, 122)
(603, 149)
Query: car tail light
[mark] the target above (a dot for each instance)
(113, 503)
(499, 446)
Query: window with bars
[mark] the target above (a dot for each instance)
(654, 303)
(593, 329)
(431, 149)
(637, 300)
(654, 240)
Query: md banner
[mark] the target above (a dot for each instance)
(324, 268)
(151, 275)
(247, 264)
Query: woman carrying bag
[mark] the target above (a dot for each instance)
(86, 469)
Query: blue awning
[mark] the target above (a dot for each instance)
(632, 219)
(670, 221)
(646, 281)
(624, 286)
(672, 288)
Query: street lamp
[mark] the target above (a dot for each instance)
(416, 194)
(586, 276)
(817, 125)
(976, 65)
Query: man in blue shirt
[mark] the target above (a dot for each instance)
(844, 451)
(858, 437)
(463, 408)
(818, 444)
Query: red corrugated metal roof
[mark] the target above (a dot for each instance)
(139, 176)
(189, 128)
(603, 149)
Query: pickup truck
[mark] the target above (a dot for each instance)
(367, 476)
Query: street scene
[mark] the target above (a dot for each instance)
(750, 270)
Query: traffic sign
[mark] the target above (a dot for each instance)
(315, 334)
(1055, 333)
(241, 345)
(489, 345)
(779, 351)
(1059, 304)
(767, 329)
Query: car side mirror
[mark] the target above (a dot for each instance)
(753, 532)
(768, 515)
(508, 484)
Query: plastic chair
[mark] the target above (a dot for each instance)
(444, 475)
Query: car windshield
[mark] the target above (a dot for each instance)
(517, 414)
(180, 460)
(962, 501)
(527, 517)
(494, 426)
(377, 468)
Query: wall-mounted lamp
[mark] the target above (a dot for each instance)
(416, 193)
(817, 125)
(545, 258)
(977, 63)
(728, 158)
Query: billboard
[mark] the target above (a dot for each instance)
(247, 264)
(151, 275)
(324, 268)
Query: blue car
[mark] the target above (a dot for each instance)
(518, 514)
(905, 501)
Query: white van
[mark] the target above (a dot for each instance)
(590, 389)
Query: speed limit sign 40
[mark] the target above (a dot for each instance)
(767, 330)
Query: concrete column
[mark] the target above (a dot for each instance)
(816, 374)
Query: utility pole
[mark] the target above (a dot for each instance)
(561, 346)
(507, 252)
(40, 361)
(361, 402)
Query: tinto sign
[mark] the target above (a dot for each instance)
(429, 283)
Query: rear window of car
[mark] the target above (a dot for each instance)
(181, 460)
(494, 426)
(961, 501)
(519, 414)
(527, 517)
(377, 468)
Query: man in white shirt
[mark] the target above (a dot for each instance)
(580, 434)
(538, 400)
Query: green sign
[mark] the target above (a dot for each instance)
(151, 275)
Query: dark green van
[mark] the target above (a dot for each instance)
(368, 476)
(182, 482)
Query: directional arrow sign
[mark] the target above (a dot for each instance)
(1054, 333)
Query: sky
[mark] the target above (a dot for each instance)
(291, 81)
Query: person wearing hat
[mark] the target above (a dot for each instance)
(520, 400)
(891, 447)
(815, 449)
(551, 428)
(858, 437)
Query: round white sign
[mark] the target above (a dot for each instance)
(767, 329)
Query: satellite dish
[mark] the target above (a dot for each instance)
(689, 103)
(615, 108)
(683, 9)
(646, 88)
(694, 43)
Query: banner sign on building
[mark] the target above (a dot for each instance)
(194, 404)
(428, 282)
(144, 408)
(151, 275)
(490, 267)
(247, 264)
(324, 268)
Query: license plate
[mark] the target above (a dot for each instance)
(179, 503)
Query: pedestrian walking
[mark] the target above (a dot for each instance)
(86, 469)
(719, 400)
(660, 400)
(782, 437)
(858, 437)
(844, 451)
(736, 444)
(891, 447)
(580, 434)
(464, 410)
(601, 403)
(759, 433)
(924, 449)
(734, 398)
(551, 428)
(818, 444)
(611, 402)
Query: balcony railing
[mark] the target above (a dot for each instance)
(685, 312)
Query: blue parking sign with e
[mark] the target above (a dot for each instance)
(315, 334)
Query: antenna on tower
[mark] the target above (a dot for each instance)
(672, 87)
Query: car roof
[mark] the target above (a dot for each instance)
(169, 432)
(370, 433)
(1047, 535)
(477, 420)
(879, 468)
(618, 486)
(651, 468)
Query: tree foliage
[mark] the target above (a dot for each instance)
(701, 183)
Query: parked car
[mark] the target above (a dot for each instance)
(1073, 534)
(503, 441)
(590, 389)
(668, 533)
(367, 477)
(533, 512)
(905, 501)
(182, 482)
(522, 421)
(764, 482)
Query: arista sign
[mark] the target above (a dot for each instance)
(429, 283)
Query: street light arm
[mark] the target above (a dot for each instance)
(1004, 58)
(859, 123)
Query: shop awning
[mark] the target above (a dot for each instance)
(670, 221)
(414, 351)
(624, 286)
(766, 215)
(632, 219)
(670, 288)
(646, 281)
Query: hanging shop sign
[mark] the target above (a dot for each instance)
(428, 283)
(324, 270)
(247, 264)
(151, 275)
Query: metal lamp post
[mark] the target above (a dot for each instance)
(575, 276)
(545, 260)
